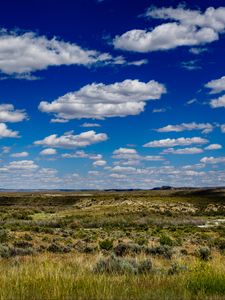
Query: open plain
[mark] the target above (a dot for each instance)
(162, 244)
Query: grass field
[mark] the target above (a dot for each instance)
(113, 245)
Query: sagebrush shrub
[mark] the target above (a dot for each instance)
(204, 253)
(123, 249)
(106, 245)
(4, 236)
(119, 265)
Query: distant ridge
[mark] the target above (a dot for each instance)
(112, 190)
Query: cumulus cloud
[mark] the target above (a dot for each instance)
(153, 158)
(7, 133)
(99, 163)
(20, 154)
(217, 85)
(6, 149)
(82, 154)
(204, 127)
(125, 153)
(38, 53)
(9, 114)
(213, 160)
(21, 165)
(57, 120)
(222, 127)
(129, 156)
(192, 150)
(219, 102)
(99, 101)
(186, 28)
(120, 169)
(213, 147)
(69, 140)
(27, 174)
(48, 151)
(117, 176)
(176, 142)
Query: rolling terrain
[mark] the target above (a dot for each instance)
(158, 244)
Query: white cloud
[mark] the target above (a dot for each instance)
(99, 101)
(48, 151)
(120, 169)
(217, 85)
(188, 28)
(20, 154)
(153, 158)
(82, 154)
(93, 173)
(7, 133)
(159, 110)
(99, 163)
(191, 65)
(6, 149)
(192, 150)
(27, 174)
(138, 62)
(219, 102)
(87, 125)
(197, 50)
(192, 101)
(213, 147)
(204, 127)
(22, 165)
(69, 140)
(125, 153)
(117, 176)
(130, 156)
(213, 160)
(57, 120)
(9, 114)
(38, 53)
(176, 142)
(222, 127)
(211, 18)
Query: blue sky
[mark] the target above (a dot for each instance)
(112, 94)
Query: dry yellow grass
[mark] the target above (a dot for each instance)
(58, 277)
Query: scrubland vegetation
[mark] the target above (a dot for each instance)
(113, 245)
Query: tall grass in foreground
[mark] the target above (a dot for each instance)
(72, 277)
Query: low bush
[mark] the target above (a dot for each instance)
(166, 240)
(141, 241)
(220, 243)
(204, 253)
(165, 251)
(7, 252)
(144, 266)
(119, 265)
(4, 236)
(123, 249)
(22, 244)
(84, 247)
(27, 237)
(176, 269)
(15, 251)
(106, 245)
(57, 248)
